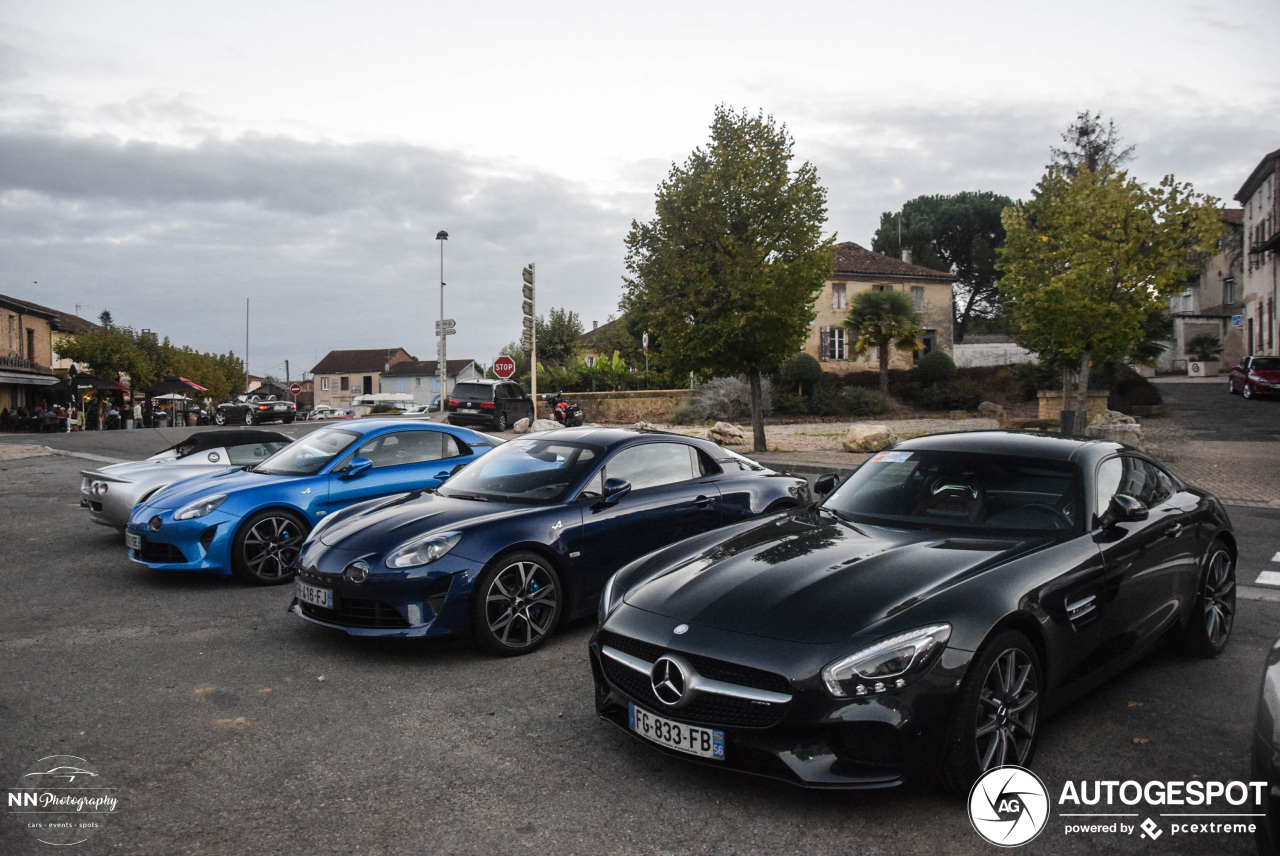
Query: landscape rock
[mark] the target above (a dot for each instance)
(991, 410)
(1113, 417)
(521, 426)
(644, 426)
(1129, 433)
(544, 425)
(726, 434)
(868, 438)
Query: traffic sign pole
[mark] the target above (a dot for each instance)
(530, 311)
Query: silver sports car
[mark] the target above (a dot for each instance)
(110, 493)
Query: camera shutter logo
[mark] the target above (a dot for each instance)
(1009, 806)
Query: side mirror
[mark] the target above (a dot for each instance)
(1123, 509)
(614, 490)
(356, 468)
(825, 484)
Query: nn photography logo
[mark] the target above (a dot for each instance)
(61, 800)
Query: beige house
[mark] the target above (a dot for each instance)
(858, 269)
(343, 375)
(1211, 302)
(1260, 196)
(26, 353)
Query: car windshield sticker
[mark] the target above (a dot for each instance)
(890, 458)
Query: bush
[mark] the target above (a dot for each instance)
(825, 400)
(935, 367)
(725, 399)
(800, 373)
(1204, 347)
(957, 395)
(383, 408)
(791, 404)
(1132, 390)
(1027, 379)
(857, 401)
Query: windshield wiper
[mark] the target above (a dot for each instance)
(471, 496)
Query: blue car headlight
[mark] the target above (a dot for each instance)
(423, 550)
(200, 507)
(889, 664)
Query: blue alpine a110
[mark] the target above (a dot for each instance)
(252, 521)
(527, 536)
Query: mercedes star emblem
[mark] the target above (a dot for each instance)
(668, 680)
(681, 629)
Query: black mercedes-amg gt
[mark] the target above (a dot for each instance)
(923, 619)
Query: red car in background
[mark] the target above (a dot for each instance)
(1255, 376)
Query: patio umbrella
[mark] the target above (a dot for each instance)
(174, 385)
(84, 382)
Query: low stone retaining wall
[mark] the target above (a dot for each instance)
(640, 405)
(1051, 403)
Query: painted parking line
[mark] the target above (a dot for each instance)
(1268, 578)
(1276, 557)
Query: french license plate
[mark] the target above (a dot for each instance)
(280, 407)
(470, 410)
(703, 742)
(132, 541)
(315, 595)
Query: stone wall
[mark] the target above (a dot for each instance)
(1051, 403)
(991, 354)
(643, 405)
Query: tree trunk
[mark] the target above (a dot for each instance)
(757, 412)
(1082, 390)
(884, 369)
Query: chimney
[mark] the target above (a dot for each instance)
(906, 255)
(595, 325)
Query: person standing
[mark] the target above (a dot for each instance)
(137, 414)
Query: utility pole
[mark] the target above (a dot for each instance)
(442, 351)
(246, 344)
(530, 340)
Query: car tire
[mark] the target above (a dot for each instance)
(516, 604)
(248, 417)
(265, 549)
(996, 718)
(1246, 391)
(219, 418)
(1231, 386)
(1213, 612)
(500, 421)
(288, 420)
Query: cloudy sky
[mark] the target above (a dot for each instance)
(167, 160)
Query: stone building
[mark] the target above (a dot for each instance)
(1260, 196)
(343, 375)
(858, 269)
(1211, 301)
(26, 353)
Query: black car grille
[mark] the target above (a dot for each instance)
(162, 554)
(705, 707)
(358, 613)
(717, 670)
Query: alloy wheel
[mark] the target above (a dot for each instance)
(521, 604)
(1246, 391)
(1219, 597)
(271, 547)
(220, 418)
(1008, 709)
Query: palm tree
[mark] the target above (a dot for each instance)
(878, 319)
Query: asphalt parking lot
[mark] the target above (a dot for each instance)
(228, 726)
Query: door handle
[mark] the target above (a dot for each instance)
(1173, 530)
(703, 501)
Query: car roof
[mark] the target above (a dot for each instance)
(369, 425)
(610, 437)
(1015, 444)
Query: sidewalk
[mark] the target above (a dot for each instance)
(15, 451)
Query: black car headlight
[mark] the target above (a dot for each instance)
(424, 550)
(889, 664)
(607, 603)
(200, 507)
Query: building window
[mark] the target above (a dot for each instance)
(917, 297)
(839, 295)
(882, 287)
(1229, 290)
(417, 381)
(832, 344)
(31, 344)
(344, 383)
(928, 338)
(324, 384)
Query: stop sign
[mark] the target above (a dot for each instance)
(295, 388)
(504, 367)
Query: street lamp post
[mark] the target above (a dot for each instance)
(442, 349)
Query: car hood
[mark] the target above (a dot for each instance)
(226, 481)
(131, 470)
(385, 527)
(1269, 375)
(806, 577)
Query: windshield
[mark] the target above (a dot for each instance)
(528, 471)
(1266, 364)
(308, 454)
(947, 490)
(474, 391)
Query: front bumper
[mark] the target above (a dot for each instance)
(203, 544)
(812, 740)
(432, 601)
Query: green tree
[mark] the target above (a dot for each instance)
(726, 274)
(1090, 146)
(104, 318)
(879, 320)
(959, 233)
(559, 337)
(1092, 255)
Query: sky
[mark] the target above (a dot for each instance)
(167, 161)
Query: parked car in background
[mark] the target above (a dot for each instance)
(322, 412)
(434, 406)
(923, 620)
(524, 538)
(255, 409)
(252, 521)
(1265, 757)
(111, 492)
(495, 404)
(1255, 376)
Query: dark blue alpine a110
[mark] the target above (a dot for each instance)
(526, 536)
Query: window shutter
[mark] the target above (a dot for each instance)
(824, 344)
